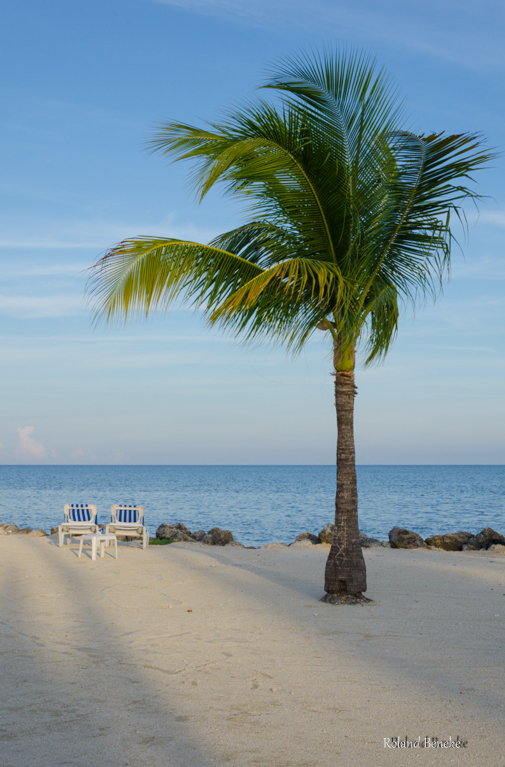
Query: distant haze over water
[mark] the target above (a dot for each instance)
(262, 503)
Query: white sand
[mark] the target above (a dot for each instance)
(103, 664)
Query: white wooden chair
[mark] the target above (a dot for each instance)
(80, 518)
(129, 521)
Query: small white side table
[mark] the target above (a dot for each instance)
(102, 539)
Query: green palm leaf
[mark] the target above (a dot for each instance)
(145, 274)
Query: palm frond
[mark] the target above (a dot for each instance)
(146, 274)
(350, 215)
(345, 94)
(409, 236)
(279, 164)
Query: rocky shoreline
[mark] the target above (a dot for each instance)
(7, 529)
(399, 538)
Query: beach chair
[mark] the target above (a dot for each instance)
(129, 521)
(80, 518)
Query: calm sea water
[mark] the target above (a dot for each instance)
(262, 503)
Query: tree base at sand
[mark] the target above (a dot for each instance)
(345, 599)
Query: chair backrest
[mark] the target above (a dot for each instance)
(79, 512)
(123, 514)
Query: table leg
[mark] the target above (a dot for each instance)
(93, 549)
(80, 547)
(102, 548)
(115, 546)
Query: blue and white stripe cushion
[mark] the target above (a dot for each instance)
(79, 512)
(128, 514)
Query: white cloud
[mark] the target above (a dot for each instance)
(95, 235)
(493, 217)
(86, 457)
(44, 243)
(32, 307)
(27, 447)
(50, 270)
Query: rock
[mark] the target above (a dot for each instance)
(182, 528)
(305, 543)
(308, 536)
(54, 531)
(494, 542)
(449, 541)
(326, 534)
(15, 530)
(274, 545)
(483, 540)
(176, 532)
(435, 542)
(198, 535)
(220, 537)
(235, 543)
(366, 542)
(9, 529)
(399, 538)
(385, 544)
(498, 548)
(207, 539)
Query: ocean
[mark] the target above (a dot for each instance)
(262, 503)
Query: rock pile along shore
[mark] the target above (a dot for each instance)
(6, 529)
(399, 538)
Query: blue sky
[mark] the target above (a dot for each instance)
(83, 85)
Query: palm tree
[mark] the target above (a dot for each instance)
(350, 219)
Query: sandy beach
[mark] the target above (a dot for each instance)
(190, 655)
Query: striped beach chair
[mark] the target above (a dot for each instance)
(80, 518)
(129, 521)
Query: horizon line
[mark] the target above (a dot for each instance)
(216, 465)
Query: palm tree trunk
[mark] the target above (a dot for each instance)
(345, 577)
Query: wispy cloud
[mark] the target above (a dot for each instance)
(484, 267)
(41, 243)
(31, 307)
(496, 217)
(42, 117)
(27, 448)
(80, 456)
(95, 235)
(49, 270)
(470, 43)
